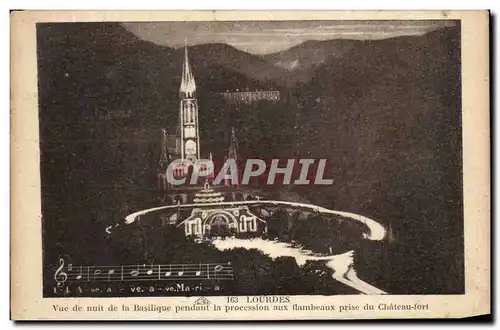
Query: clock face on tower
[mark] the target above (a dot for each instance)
(190, 147)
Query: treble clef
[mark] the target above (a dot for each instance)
(60, 276)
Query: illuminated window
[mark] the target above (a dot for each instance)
(189, 132)
(191, 114)
(190, 147)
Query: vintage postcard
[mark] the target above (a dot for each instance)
(250, 165)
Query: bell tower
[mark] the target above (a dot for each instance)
(190, 142)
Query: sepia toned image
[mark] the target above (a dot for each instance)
(251, 162)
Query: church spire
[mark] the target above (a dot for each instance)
(233, 146)
(163, 162)
(231, 178)
(188, 86)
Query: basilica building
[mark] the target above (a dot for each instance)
(213, 214)
(211, 219)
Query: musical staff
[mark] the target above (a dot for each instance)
(145, 272)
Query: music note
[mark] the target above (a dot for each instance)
(198, 272)
(97, 272)
(150, 271)
(167, 274)
(79, 276)
(180, 273)
(217, 269)
(59, 276)
(110, 272)
(135, 272)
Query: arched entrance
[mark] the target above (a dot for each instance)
(220, 227)
(220, 224)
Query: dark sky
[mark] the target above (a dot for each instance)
(264, 37)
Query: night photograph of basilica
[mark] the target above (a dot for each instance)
(127, 107)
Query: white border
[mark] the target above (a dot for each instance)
(195, 4)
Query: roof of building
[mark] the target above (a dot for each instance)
(188, 85)
(208, 195)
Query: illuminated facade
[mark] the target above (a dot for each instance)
(212, 220)
(248, 97)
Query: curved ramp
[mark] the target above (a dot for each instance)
(377, 231)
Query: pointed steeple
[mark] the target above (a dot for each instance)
(233, 146)
(163, 162)
(212, 175)
(390, 233)
(232, 178)
(188, 86)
